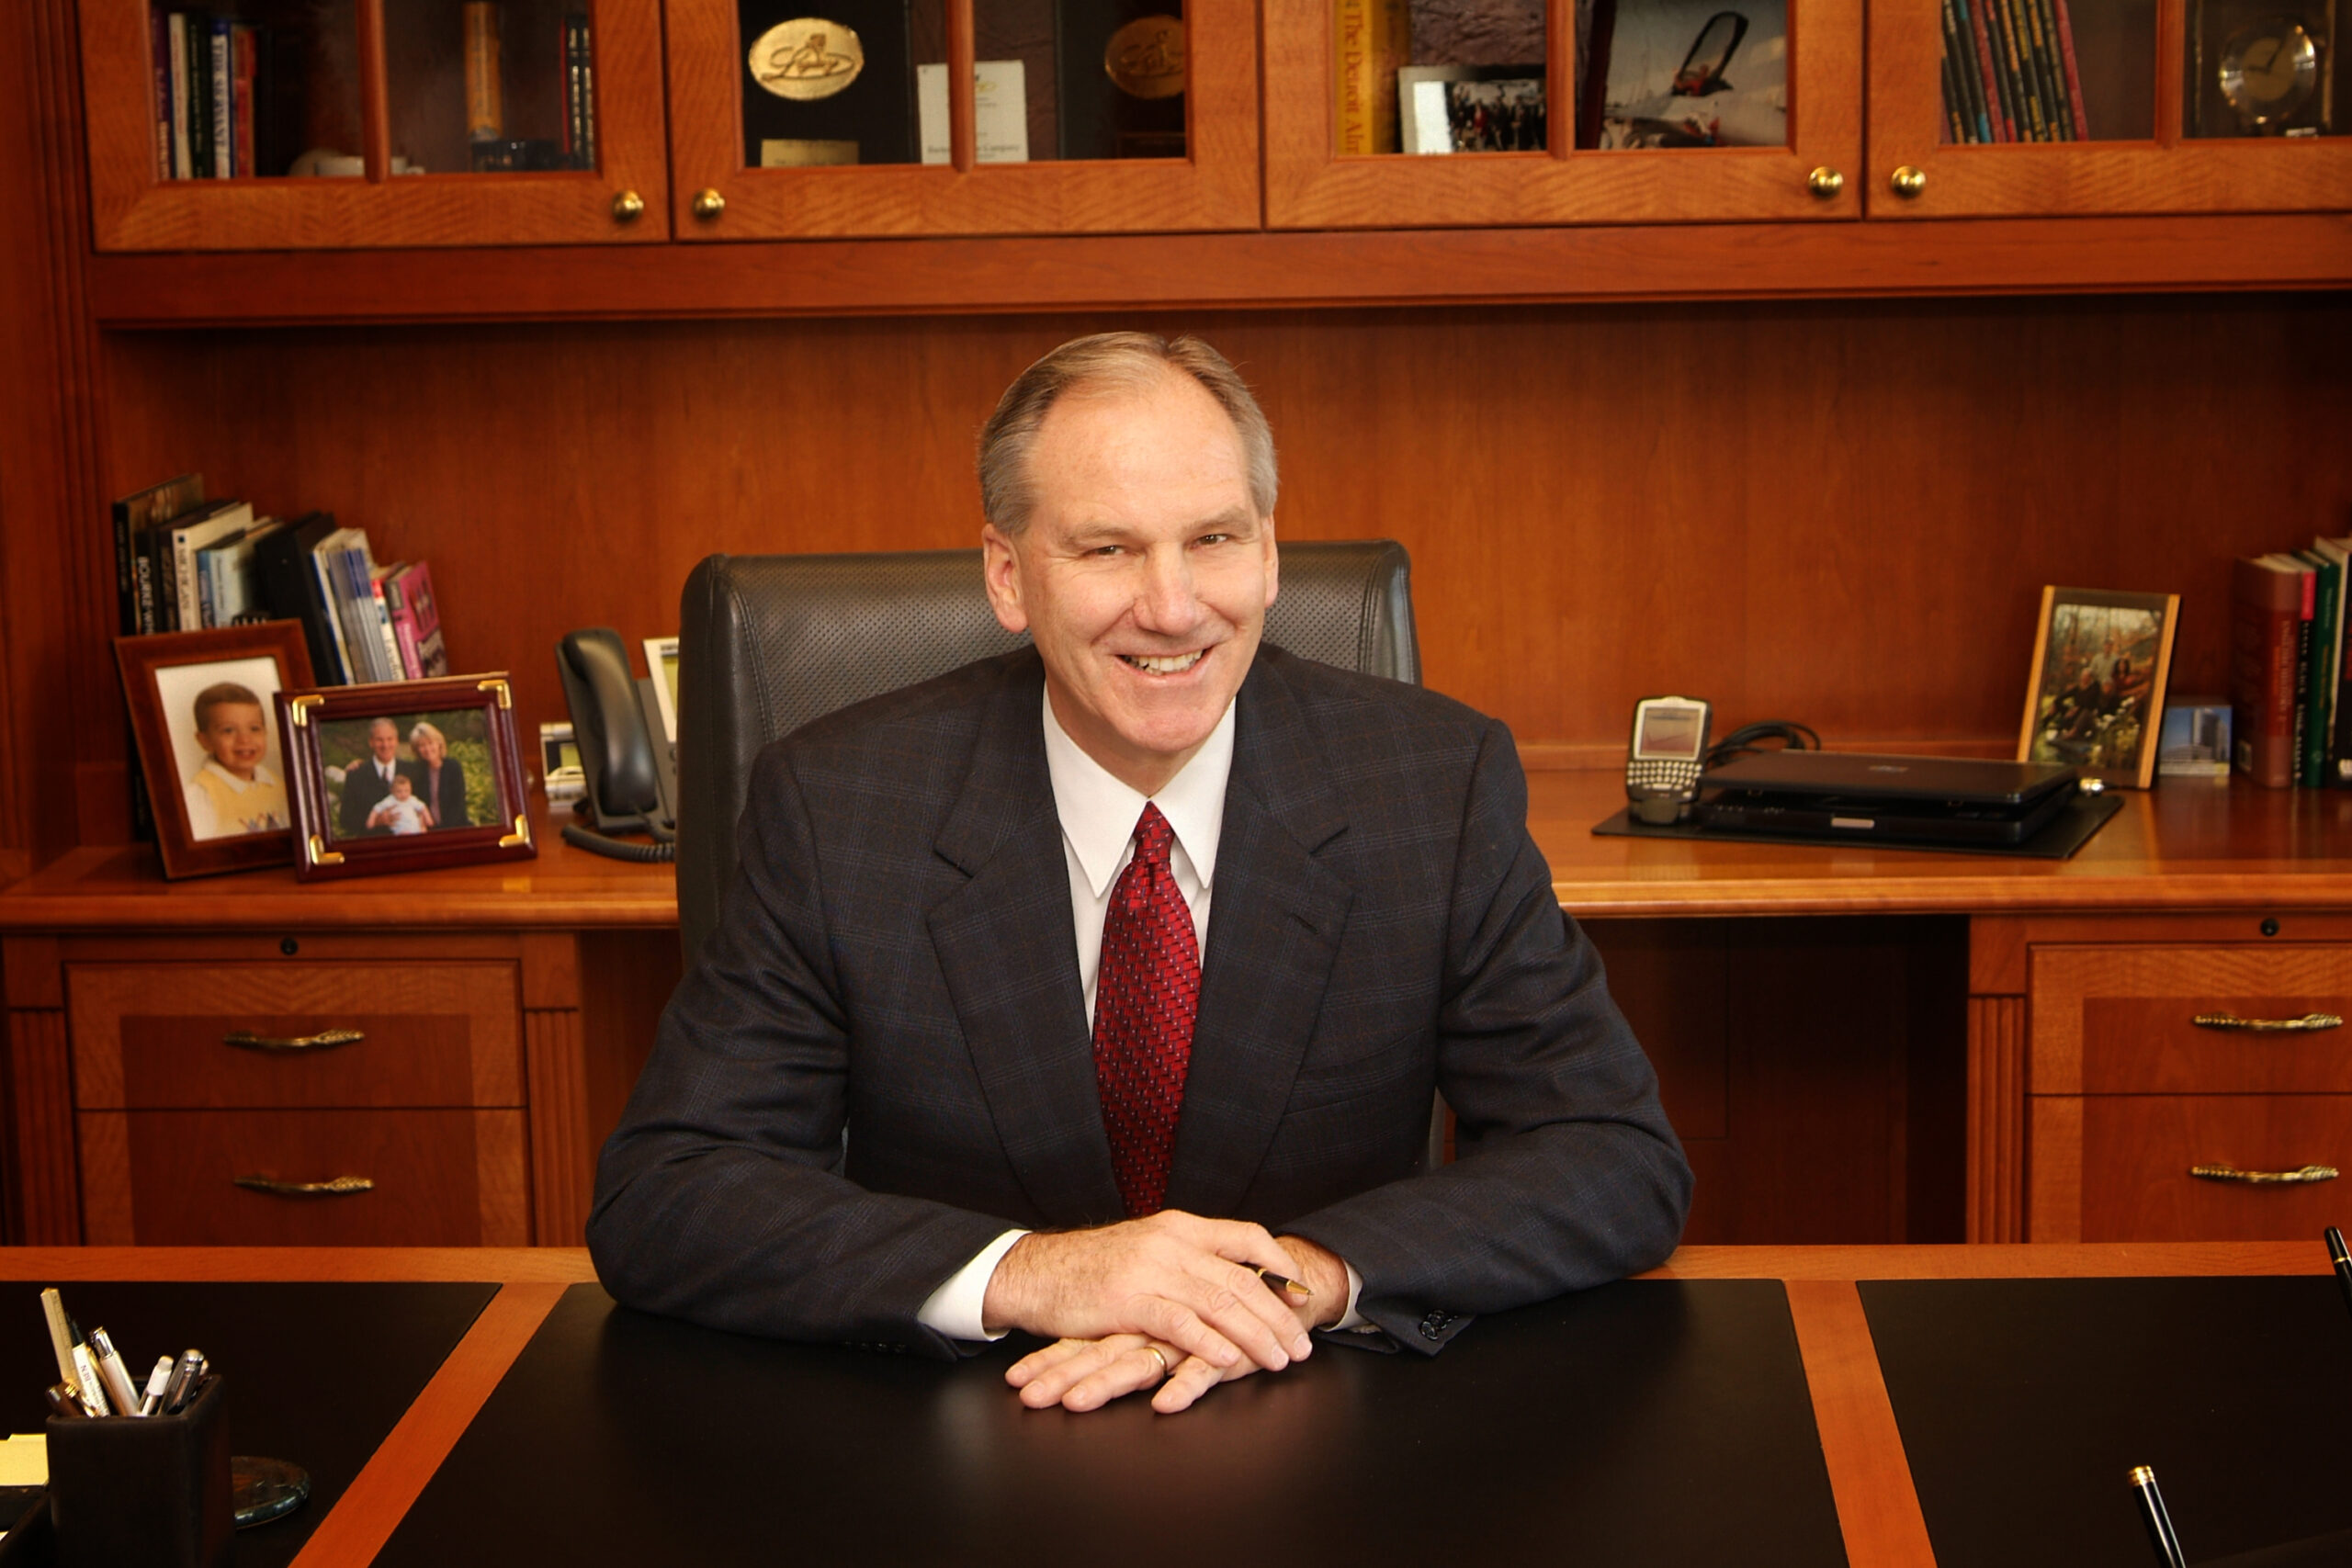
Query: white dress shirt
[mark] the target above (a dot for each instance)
(1099, 815)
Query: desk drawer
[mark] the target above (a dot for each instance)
(2115, 1167)
(2123, 1019)
(156, 1036)
(440, 1178)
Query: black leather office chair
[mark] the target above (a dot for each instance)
(767, 643)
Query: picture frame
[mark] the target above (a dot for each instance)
(1444, 109)
(404, 776)
(2100, 661)
(203, 769)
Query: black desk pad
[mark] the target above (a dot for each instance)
(318, 1372)
(2024, 1404)
(2065, 834)
(1650, 1421)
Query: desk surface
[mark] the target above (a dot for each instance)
(1861, 1446)
(2188, 845)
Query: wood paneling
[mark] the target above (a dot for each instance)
(563, 1150)
(1850, 526)
(45, 1209)
(154, 1037)
(1995, 1119)
(2136, 1151)
(1788, 1054)
(627, 978)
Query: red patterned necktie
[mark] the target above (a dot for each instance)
(1145, 996)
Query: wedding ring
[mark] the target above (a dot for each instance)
(1154, 1352)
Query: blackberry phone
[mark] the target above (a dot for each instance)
(1668, 753)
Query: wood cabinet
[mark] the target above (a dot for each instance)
(352, 65)
(2194, 1083)
(2145, 158)
(1815, 177)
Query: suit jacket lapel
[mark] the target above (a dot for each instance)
(1274, 928)
(1005, 945)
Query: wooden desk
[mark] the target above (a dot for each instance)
(1877, 1505)
(2196, 890)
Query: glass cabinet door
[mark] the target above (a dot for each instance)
(2086, 107)
(350, 123)
(807, 117)
(1419, 113)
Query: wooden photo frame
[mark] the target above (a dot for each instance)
(404, 776)
(2100, 661)
(211, 750)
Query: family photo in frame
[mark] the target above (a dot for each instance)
(404, 776)
(211, 750)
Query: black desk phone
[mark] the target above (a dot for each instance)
(632, 767)
(1668, 753)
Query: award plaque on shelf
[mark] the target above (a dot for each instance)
(826, 82)
(1123, 66)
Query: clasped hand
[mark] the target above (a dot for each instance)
(1170, 1299)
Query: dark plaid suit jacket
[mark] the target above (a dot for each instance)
(896, 962)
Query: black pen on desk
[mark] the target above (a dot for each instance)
(1280, 1282)
(2337, 1255)
(2153, 1514)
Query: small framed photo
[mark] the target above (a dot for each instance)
(404, 776)
(1471, 108)
(210, 747)
(2100, 661)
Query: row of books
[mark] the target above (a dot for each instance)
(228, 97)
(2291, 717)
(182, 564)
(2009, 72)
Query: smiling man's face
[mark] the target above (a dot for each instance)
(1142, 574)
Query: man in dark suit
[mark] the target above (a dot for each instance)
(368, 779)
(973, 931)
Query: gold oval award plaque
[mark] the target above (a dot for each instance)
(806, 58)
(1146, 58)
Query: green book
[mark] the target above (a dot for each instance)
(2318, 695)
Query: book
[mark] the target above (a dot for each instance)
(578, 111)
(2073, 72)
(587, 95)
(1963, 91)
(328, 560)
(133, 516)
(196, 80)
(292, 590)
(183, 147)
(223, 519)
(1373, 39)
(224, 108)
(1997, 96)
(245, 65)
(2265, 615)
(403, 622)
(2318, 694)
(424, 611)
(159, 44)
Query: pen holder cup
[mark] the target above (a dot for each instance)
(150, 1490)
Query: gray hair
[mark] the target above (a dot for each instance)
(1112, 362)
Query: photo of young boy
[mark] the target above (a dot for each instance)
(224, 747)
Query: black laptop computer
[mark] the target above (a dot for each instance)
(1929, 800)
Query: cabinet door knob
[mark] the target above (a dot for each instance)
(2263, 1177)
(1909, 182)
(1825, 182)
(2310, 1022)
(246, 1040)
(334, 1187)
(628, 207)
(708, 204)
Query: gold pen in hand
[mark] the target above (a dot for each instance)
(1279, 1283)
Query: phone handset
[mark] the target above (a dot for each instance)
(1666, 756)
(626, 787)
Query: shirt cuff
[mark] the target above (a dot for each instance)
(1353, 1320)
(953, 1309)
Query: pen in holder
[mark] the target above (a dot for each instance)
(150, 1491)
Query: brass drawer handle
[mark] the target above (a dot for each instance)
(2263, 1177)
(2306, 1024)
(247, 1040)
(335, 1187)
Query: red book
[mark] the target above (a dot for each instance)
(2266, 622)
